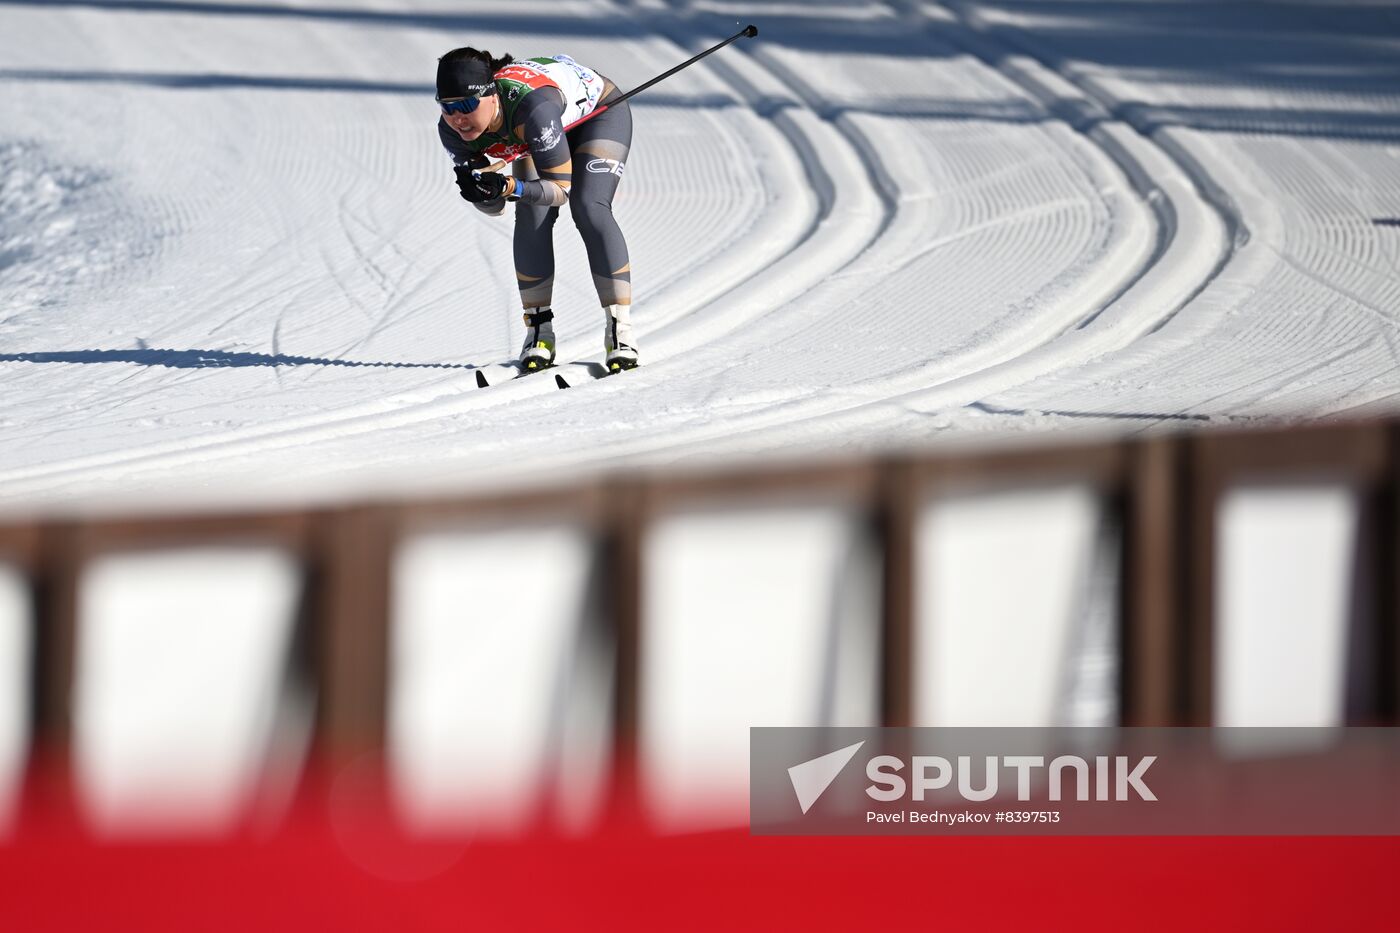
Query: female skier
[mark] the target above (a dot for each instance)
(498, 108)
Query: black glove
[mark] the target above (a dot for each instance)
(487, 186)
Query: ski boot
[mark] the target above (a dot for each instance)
(538, 351)
(617, 339)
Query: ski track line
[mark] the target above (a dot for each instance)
(1206, 190)
(843, 216)
(848, 218)
(1306, 307)
(1300, 274)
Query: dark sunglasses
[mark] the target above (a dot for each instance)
(462, 104)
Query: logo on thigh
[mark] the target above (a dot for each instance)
(548, 137)
(606, 167)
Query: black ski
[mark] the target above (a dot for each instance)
(581, 370)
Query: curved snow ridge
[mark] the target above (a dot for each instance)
(1152, 298)
(848, 218)
(1299, 308)
(1205, 191)
(1193, 240)
(1194, 245)
(1301, 321)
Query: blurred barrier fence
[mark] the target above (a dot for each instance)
(541, 655)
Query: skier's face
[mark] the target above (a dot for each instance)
(471, 125)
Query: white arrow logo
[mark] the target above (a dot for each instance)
(811, 778)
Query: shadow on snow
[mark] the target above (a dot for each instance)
(1341, 59)
(205, 359)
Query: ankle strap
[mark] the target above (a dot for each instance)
(535, 318)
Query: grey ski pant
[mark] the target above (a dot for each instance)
(599, 150)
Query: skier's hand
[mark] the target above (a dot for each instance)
(486, 186)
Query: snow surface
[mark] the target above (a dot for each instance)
(233, 266)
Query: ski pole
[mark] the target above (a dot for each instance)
(748, 31)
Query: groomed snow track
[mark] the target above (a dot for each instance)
(250, 279)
